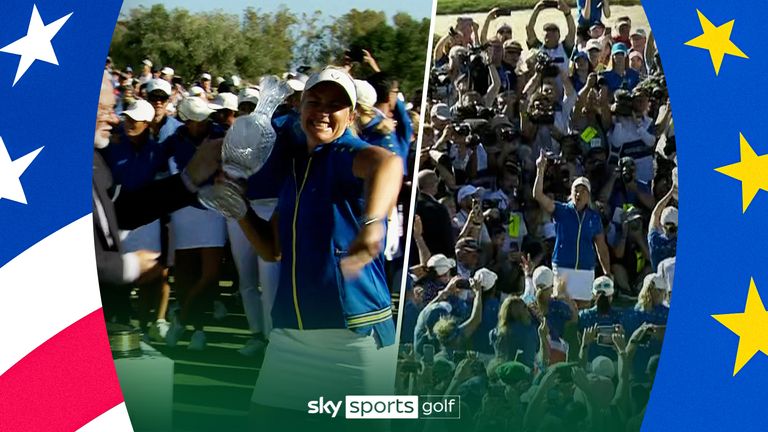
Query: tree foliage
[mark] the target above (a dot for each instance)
(268, 42)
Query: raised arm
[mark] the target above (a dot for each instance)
(530, 28)
(493, 90)
(421, 245)
(486, 24)
(655, 224)
(469, 326)
(440, 47)
(570, 38)
(547, 204)
(606, 8)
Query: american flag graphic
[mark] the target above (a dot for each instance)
(56, 369)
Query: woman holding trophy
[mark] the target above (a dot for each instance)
(333, 329)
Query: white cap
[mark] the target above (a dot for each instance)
(543, 276)
(167, 71)
(441, 263)
(669, 216)
(603, 366)
(159, 84)
(656, 280)
(227, 101)
(140, 110)
(297, 82)
(248, 94)
(582, 181)
(236, 81)
(195, 109)
(604, 284)
(205, 77)
(147, 62)
(593, 44)
(196, 91)
(486, 278)
(334, 75)
(466, 191)
(366, 94)
(441, 111)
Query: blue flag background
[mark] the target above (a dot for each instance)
(53, 107)
(719, 247)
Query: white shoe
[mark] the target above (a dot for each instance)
(197, 342)
(175, 332)
(252, 347)
(159, 329)
(219, 310)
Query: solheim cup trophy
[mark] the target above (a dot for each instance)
(247, 146)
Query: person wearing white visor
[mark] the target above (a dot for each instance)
(199, 234)
(580, 240)
(539, 289)
(333, 327)
(225, 116)
(650, 302)
(158, 94)
(599, 321)
(490, 313)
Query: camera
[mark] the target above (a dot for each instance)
(355, 54)
(542, 111)
(462, 129)
(547, 66)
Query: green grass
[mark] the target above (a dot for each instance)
(445, 7)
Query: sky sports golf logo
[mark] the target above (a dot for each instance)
(389, 407)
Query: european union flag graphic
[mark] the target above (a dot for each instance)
(714, 362)
(56, 370)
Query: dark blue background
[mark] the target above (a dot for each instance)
(719, 248)
(55, 107)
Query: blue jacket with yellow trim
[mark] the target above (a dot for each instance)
(320, 205)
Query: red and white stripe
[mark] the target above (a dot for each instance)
(56, 369)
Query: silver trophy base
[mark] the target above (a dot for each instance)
(225, 197)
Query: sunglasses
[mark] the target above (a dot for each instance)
(157, 98)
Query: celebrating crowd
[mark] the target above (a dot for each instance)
(545, 224)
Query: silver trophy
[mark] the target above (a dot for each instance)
(247, 146)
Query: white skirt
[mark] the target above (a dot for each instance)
(302, 365)
(145, 237)
(577, 282)
(195, 228)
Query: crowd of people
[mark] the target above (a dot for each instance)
(162, 120)
(545, 224)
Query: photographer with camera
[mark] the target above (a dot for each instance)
(630, 136)
(630, 255)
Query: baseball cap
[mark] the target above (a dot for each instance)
(551, 27)
(602, 284)
(500, 121)
(167, 71)
(226, 101)
(337, 76)
(669, 216)
(513, 45)
(466, 191)
(623, 21)
(196, 91)
(205, 77)
(512, 372)
(467, 243)
(597, 25)
(129, 69)
(638, 32)
(593, 44)
(543, 277)
(297, 82)
(658, 282)
(441, 263)
(147, 62)
(157, 84)
(140, 110)
(582, 181)
(366, 94)
(248, 94)
(634, 54)
(619, 48)
(504, 27)
(441, 111)
(195, 109)
(603, 366)
(486, 277)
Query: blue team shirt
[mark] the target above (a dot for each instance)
(661, 246)
(134, 167)
(320, 205)
(574, 243)
(596, 12)
(480, 338)
(399, 140)
(590, 317)
(517, 337)
(627, 82)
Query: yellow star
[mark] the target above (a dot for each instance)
(750, 171)
(750, 325)
(717, 40)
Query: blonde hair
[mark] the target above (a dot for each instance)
(506, 315)
(366, 114)
(444, 328)
(645, 298)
